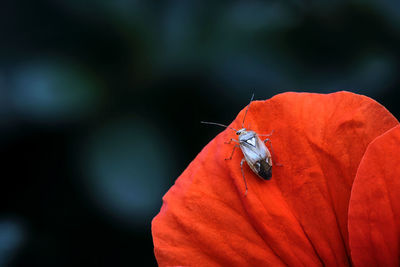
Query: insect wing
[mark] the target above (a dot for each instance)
(262, 147)
(254, 149)
(257, 156)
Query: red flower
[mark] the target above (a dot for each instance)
(299, 217)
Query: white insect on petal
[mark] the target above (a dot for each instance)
(255, 152)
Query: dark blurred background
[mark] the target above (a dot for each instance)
(100, 104)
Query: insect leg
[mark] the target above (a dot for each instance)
(232, 152)
(230, 141)
(244, 179)
(272, 150)
(266, 134)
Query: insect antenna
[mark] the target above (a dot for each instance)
(218, 124)
(247, 110)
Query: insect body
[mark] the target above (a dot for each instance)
(255, 152)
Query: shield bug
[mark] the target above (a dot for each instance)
(255, 152)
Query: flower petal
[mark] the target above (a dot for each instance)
(374, 212)
(299, 217)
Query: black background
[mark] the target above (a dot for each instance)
(134, 79)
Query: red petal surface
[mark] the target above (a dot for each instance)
(374, 212)
(297, 218)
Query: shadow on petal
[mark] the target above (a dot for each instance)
(374, 212)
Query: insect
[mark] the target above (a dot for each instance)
(255, 152)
